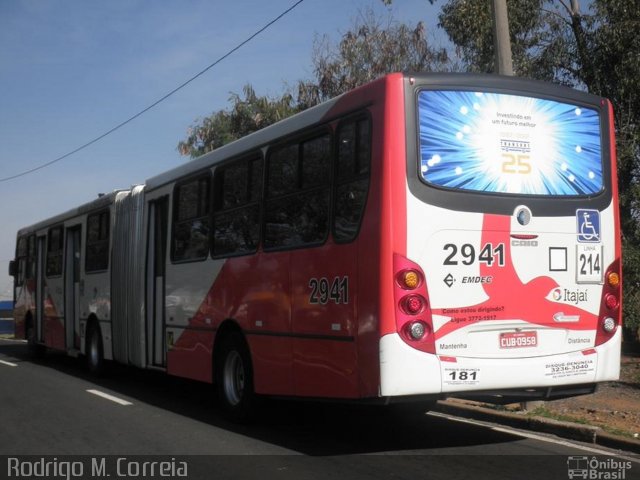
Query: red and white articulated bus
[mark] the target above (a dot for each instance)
(420, 236)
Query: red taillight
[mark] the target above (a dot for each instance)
(611, 301)
(413, 304)
(412, 312)
(610, 306)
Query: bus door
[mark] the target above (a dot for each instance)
(72, 288)
(40, 252)
(156, 258)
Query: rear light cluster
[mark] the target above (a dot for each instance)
(611, 303)
(413, 313)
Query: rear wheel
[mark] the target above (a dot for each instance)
(234, 378)
(94, 351)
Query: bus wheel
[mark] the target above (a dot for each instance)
(35, 349)
(95, 357)
(234, 378)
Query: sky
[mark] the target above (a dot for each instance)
(70, 70)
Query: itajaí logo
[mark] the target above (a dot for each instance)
(569, 296)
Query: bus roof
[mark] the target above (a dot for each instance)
(100, 202)
(251, 142)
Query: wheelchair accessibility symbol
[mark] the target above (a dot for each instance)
(588, 225)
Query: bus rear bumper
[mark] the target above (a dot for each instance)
(407, 371)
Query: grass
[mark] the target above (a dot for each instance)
(546, 413)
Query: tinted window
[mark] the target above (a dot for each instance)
(236, 219)
(352, 185)
(31, 257)
(283, 170)
(236, 232)
(21, 257)
(97, 254)
(297, 220)
(316, 162)
(54, 252)
(191, 224)
(297, 205)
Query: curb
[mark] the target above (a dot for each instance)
(572, 431)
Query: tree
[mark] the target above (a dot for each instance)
(614, 62)
(370, 49)
(596, 51)
(537, 36)
(246, 115)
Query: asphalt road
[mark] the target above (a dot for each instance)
(52, 408)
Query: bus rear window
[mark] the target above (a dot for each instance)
(508, 144)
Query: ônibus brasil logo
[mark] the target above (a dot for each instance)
(595, 468)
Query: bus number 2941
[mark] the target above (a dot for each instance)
(324, 290)
(467, 254)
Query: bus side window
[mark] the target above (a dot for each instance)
(97, 258)
(21, 258)
(352, 178)
(236, 218)
(54, 252)
(191, 224)
(31, 257)
(297, 205)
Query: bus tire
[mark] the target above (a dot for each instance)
(35, 349)
(94, 350)
(234, 378)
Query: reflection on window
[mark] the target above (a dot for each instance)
(237, 232)
(297, 220)
(353, 166)
(31, 258)
(283, 171)
(316, 162)
(236, 219)
(297, 206)
(350, 200)
(54, 252)
(191, 224)
(97, 257)
(21, 256)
